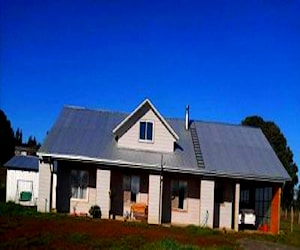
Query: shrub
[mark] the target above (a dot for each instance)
(95, 211)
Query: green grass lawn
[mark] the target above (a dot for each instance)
(22, 227)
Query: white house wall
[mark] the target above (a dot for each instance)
(207, 202)
(12, 194)
(163, 140)
(83, 206)
(43, 202)
(103, 191)
(191, 216)
(225, 215)
(154, 199)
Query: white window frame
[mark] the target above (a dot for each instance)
(146, 140)
(87, 185)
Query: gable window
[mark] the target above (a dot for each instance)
(179, 194)
(131, 187)
(79, 184)
(146, 131)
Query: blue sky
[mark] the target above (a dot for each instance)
(226, 59)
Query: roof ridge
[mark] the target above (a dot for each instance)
(95, 109)
(211, 122)
(225, 124)
(166, 118)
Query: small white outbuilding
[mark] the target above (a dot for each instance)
(22, 180)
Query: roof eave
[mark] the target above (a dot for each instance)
(97, 160)
(157, 167)
(226, 175)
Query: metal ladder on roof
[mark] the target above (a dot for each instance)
(196, 144)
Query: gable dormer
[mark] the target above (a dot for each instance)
(145, 129)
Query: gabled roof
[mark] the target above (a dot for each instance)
(122, 127)
(228, 150)
(23, 162)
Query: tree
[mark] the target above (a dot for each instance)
(283, 151)
(7, 140)
(18, 137)
(33, 145)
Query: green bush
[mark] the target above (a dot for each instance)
(95, 211)
(167, 244)
(11, 209)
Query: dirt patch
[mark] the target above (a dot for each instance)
(42, 231)
(249, 244)
(68, 232)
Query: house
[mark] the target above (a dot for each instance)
(184, 171)
(22, 180)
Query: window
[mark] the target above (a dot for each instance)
(244, 196)
(179, 194)
(146, 131)
(263, 197)
(79, 184)
(131, 187)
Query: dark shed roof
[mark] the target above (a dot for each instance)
(228, 150)
(23, 162)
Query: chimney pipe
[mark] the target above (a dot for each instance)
(187, 117)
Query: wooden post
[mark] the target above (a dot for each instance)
(275, 210)
(292, 218)
(299, 217)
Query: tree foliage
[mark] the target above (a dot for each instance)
(18, 137)
(7, 140)
(283, 151)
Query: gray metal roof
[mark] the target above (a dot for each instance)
(23, 162)
(228, 150)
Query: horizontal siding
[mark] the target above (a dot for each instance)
(143, 198)
(13, 193)
(207, 202)
(163, 140)
(102, 192)
(225, 215)
(154, 199)
(43, 202)
(189, 217)
(83, 206)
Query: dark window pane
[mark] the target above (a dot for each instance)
(126, 182)
(149, 131)
(133, 197)
(79, 183)
(142, 130)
